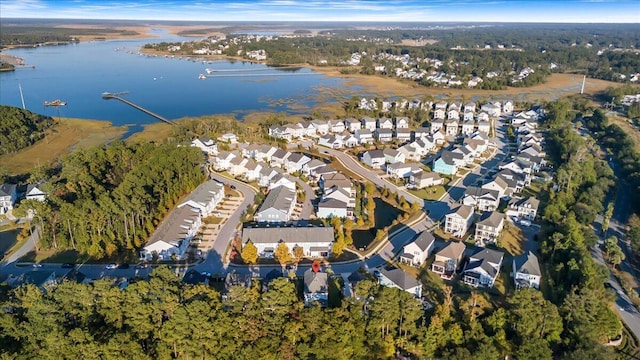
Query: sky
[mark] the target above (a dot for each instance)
(562, 11)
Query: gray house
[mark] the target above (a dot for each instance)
(316, 288)
(277, 206)
(8, 196)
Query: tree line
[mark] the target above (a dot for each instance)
(21, 128)
(106, 201)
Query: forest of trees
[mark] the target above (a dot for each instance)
(163, 318)
(20, 128)
(106, 201)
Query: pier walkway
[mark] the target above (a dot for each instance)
(107, 96)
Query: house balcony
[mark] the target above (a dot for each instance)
(445, 271)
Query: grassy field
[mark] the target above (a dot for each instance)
(430, 193)
(511, 240)
(66, 136)
(631, 130)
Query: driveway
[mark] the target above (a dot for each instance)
(307, 206)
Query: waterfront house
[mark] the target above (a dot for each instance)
(205, 144)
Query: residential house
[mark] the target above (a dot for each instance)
(331, 141)
(279, 157)
(523, 208)
(416, 252)
(507, 107)
(364, 136)
(374, 158)
(499, 185)
(383, 135)
(285, 180)
(237, 166)
(470, 107)
(235, 279)
(251, 170)
(491, 109)
(424, 179)
(230, 138)
(223, 160)
(483, 267)
(489, 227)
(482, 116)
(448, 259)
(205, 198)
(481, 199)
(459, 221)
(533, 150)
(441, 105)
(336, 126)
(526, 271)
(420, 133)
(402, 122)
(468, 126)
(453, 115)
(403, 135)
(468, 116)
(266, 174)
(402, 171)
(34, 192)
(385, 123)
(336, 179)
(326, 170)
(277, 205)
(349, 140)
(171, 239)
(312, 165)
(330, 207)
(369, 123)
(205, 144)
(451, 127)
(515, 182)
(439, 114)
(480, 145)
(436, 125)
(484, 126)
(397, 278)
(352, 124)
(322, 126)
(448, 162)
(314, 241)
(316, 288)
(392, 156)
(308, 129)
(439, 137)
(466, 152)
(280, 132)
(263, 153)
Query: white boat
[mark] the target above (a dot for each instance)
(202, 76)
(209, 71)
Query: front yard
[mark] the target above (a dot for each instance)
(511, 239)
(431, 193)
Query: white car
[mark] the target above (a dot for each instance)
(525, 222)
(111, 266)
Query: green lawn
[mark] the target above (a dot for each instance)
(430, 193)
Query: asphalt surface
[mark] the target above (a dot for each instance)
(307, 206)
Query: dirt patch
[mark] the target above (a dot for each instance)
(421, 42)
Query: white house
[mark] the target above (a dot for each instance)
(352, 124)
(459, 221)
(368, 123)
(295, 162)
(401, 170)
(491, 109)
(171, 239)
(416, 252)
(282, 180)
(439, 114)
(374, 158)
(364, 136)
(468, 115)
(307, 128)
(385, 123)
(223, 160)
(489, 227)
(483, 267)
(402, 122)
(329, 207)
(424, 179)
(205, 144)
(453, 115)
(436, 125)
(526, 271)
(482, 116)
(8, 197)
(322, 127)
(331, 141)
(205, 197)
(451, 127)
(34, 192)
(336, 126)
(229, 138)
(523, 208)
(397, 278)
(314, 241)
(393, 156)
(383, 134)
(403, 135)
(468, 126)
(507, 107)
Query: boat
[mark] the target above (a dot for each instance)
(202, 76)
(209, 71)
(56, 102)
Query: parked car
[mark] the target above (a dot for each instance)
(233, 187)
(111, 266)
(68, 265)
(37, 265)
(525, 222)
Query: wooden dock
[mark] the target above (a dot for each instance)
(107, 96)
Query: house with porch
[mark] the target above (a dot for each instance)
(458, 221)
(481, 199)
(436, 125)
(489, 227)
(483, 267)
(451, 127)
(523, 208)
(205, 198)
(424, 179)
(352, 124)
(207, 145)
(526, 271)
(416, 252)
(448, 259)
(368, 123)
(468, 127)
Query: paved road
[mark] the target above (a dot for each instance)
(307, 206)
(213, 258)
(29, 245)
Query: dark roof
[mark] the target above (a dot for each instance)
(193, 277)
(315, 282)
(453, 250)
(448, 156)
(490, 255)
(7, 189)
(355, 277)
(518, 202)
(375, 153)
(400, 278)
(492, 219)
(424, 240)
(527, 263)
(332, 204)
(278, 198)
